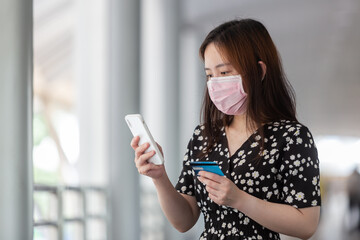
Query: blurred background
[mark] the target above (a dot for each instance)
(94, 61)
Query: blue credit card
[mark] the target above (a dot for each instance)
(206, 166)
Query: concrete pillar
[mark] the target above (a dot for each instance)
(124, 98)
(91, 67)
(191, 90)
(160, 84)
(16, 179)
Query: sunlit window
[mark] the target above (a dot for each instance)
(339, 155)
(69, 199)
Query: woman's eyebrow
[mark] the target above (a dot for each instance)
(219, 65)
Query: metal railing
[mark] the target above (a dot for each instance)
(82, 192)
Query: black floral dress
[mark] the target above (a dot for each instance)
(287, 173)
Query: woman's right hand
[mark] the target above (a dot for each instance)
(141, 160)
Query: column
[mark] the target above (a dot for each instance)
(124, 98)
(16, 179)
(160, 85)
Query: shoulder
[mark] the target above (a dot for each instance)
(292, 132)
(287, 128)
(198, 133)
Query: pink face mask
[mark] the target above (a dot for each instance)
(228, 95)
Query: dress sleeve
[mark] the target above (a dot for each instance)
(299, 171)
(185, 182)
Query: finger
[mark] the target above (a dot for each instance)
(142, 160)
(210, 183)
(141, 149)
(146, 169)
(213, 197)
(213, 176)
(134, 142)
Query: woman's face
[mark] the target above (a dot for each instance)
(215, 64)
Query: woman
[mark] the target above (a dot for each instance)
(249, 128)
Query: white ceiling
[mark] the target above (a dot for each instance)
(318, 42)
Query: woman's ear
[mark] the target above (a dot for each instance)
(263, 67)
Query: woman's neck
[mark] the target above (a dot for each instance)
(239, 124)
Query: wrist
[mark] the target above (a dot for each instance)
(240, 200)
(161, 179)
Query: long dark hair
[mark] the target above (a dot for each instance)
(244, 43)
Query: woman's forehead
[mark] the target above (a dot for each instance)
(213, 56)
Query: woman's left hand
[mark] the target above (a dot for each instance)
(221, 190)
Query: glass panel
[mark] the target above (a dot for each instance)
(96, 203)
(73, 231)
(96, 230)
(73, 204)
(45, 207)
(45, 233)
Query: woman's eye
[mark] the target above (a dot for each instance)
(224, 73)
(209, 76)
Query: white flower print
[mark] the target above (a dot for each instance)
(299, 196)
(255, 174)
(268, 195)
(285, 160)
(273, 151)
(241, 153)
(314, 181)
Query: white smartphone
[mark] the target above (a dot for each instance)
(139, 128)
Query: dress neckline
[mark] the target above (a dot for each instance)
(247, 141)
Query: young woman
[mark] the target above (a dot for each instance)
(271, 182)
